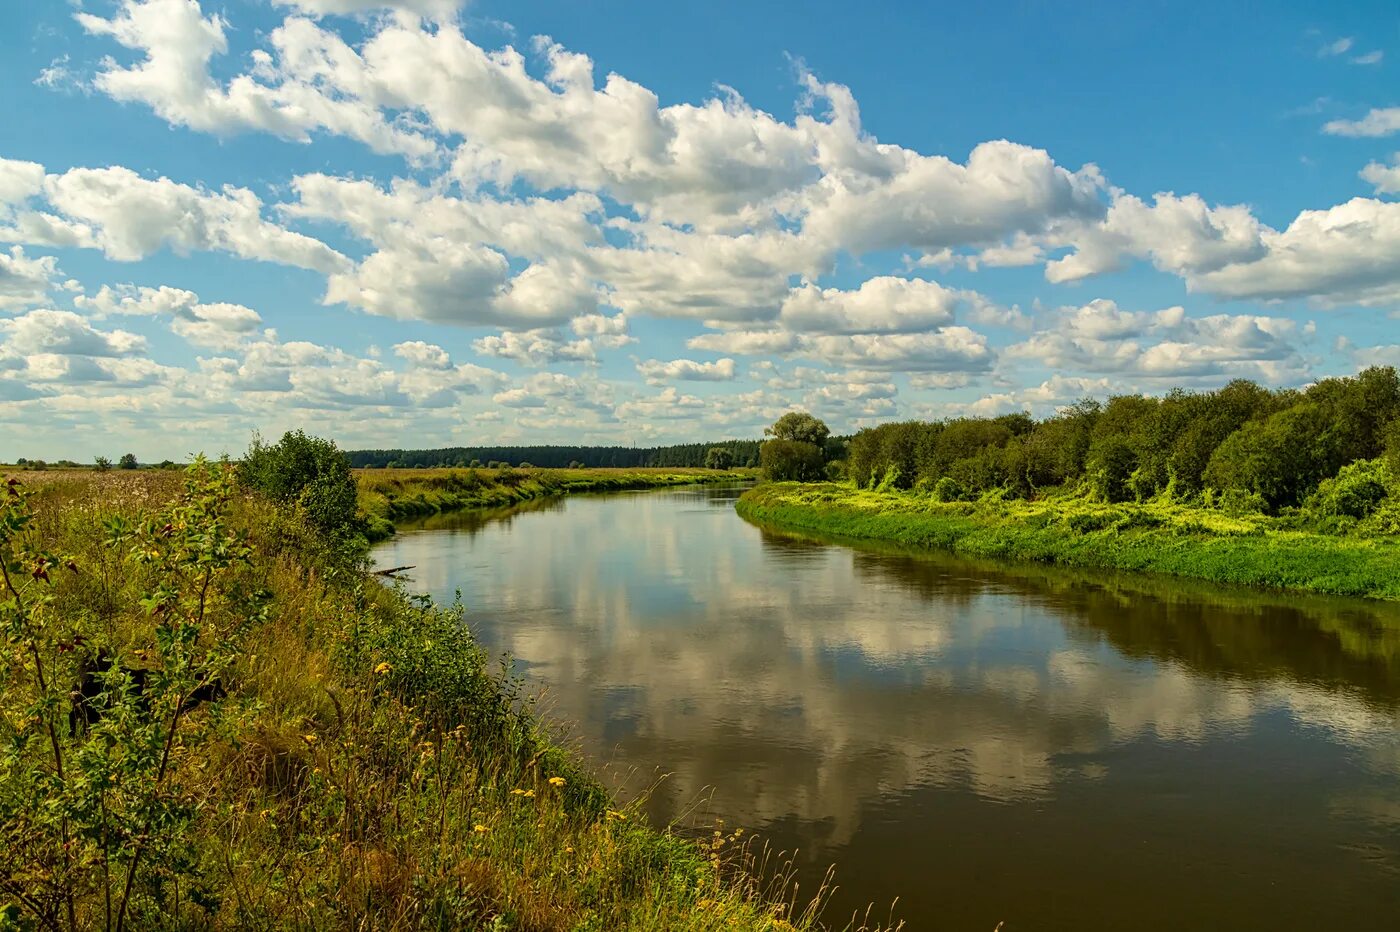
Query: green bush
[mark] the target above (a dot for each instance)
(309, 474)
(947, 490)
(1356, 491)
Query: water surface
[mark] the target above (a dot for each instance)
(1058, 751)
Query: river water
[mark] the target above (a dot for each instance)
(984, 743)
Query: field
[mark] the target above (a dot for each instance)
(362, 763)
(1249, 549)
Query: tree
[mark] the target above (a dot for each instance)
(791, 461)
(307, 473)
(800, 427)
(719, 458)
(128, 461)
(1110, 466)
(101, 463)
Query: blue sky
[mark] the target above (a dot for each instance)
(423, 223)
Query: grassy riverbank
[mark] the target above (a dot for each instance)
(362, 763)
(1247, 549)
(389, 495)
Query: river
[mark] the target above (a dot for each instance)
(1058, 751)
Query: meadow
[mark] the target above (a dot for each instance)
(361, 764)
(1243, 547)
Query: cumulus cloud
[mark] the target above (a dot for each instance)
(25, 281)
(64, 333)
(219, 325)
(657, 372)
(1385, 178)
(1166, 344)
(884, 304)
(1348, 254)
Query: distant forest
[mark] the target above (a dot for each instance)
(745, 453)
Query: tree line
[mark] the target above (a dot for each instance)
(741, 452)
(1269, 449)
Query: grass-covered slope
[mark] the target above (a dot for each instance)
(389, 495)
(362, 764)
(1252, 549)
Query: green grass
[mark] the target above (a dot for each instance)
(370, 768)
(389, 495)
(1178, 540)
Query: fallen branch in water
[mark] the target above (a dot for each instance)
(391, 572)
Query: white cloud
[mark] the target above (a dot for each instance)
(1338, 47)
(1369, 58)
(953, 349)
(884, 304)
(129, 218)
(1385, 178)
(1348, 254)
(1378, 122)
(535, 347)
(25, 281)
(64, 333)
(219, 325)
(1166, 344)
(1182, 235)
(178, 42)
(657, 372)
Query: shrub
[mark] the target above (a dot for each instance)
(128, 461)
(1084, 521)
(947, 489)
(309, 474)
(1356, 491)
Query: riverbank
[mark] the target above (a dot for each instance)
(306, 748)
(1176, 540)
(389, 495)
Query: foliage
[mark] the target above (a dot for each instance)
(101, 463)
(1356, 491)
(1241, 439)
(309, 474)
(127, 461)
(1248, 547)
(791, 461)
(365, 767)
(719, 458)
(799, 427)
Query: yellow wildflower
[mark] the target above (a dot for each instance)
(614, 814)
(528, 794)
(383, 668)
(556, 781)
(480, 829)
(310, 739)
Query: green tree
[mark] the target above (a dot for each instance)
(101, 463)
(791, 461)
(1110, 466)
(719, 458)
(800, 427)
(128, 461)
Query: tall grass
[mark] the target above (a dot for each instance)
(1249, 549)
(369, 768)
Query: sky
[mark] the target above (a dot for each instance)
(425, 223)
